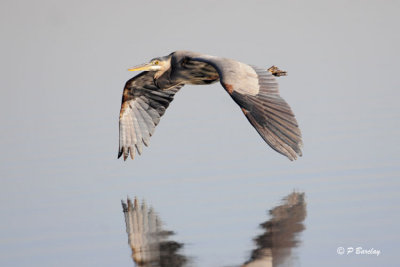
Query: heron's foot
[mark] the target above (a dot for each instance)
(277, 72)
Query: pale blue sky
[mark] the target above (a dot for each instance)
(207, 172)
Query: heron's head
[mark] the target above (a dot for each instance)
(156, 64)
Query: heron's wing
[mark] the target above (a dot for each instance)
(255, 90)
(143, 104)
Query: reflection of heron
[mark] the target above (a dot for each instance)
(147, 95)
(275, 244)
(151, 247)
(147, 240)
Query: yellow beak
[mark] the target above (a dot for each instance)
(145, 66)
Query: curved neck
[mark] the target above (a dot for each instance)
(162, 78)
(166, 65)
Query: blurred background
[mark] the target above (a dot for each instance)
(210, 176)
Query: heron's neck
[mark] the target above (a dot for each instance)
(166, 66)
(163, 79)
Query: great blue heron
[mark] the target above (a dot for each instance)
(147, 95)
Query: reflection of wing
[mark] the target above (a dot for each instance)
(143, 103)
(147, 240)
(255, 90)
(274, 245)
(142, 227)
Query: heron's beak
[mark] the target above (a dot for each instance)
(145, 66)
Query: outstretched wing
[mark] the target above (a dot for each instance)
(255, 90)
(143, 104)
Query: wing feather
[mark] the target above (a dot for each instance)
(143, 104)
(146, 117)
(138, 141)
(142, 125)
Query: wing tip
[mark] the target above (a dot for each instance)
(294, 156)
(274, 138)
(120, 152)
(125, 152)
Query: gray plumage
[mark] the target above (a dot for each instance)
(147, 96)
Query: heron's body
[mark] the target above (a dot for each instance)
(147, 95)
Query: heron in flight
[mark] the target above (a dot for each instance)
(147, 96)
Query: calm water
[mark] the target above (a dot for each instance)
(151, 245)
(208, 175)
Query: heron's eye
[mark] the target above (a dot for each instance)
(155, 62)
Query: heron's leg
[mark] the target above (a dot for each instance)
(276, 71)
